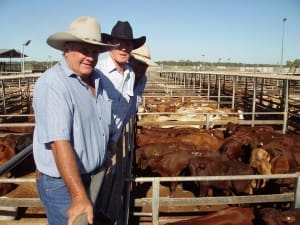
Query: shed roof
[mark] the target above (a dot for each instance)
(10, 53)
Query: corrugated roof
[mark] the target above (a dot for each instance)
(10, 53)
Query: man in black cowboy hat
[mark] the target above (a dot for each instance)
(119, 74)
(119, 82)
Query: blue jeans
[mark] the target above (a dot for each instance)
(56, 198)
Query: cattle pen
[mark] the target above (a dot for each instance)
(255, 94)
(252, 98)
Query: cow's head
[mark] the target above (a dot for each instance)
(260, 160)
(141, 159)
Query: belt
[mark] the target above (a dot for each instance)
(38, 174)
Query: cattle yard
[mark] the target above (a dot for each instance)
(173, 101)
(208, 101)
(277, 97)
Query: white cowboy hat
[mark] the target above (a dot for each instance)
(83, 29)
(143, 54)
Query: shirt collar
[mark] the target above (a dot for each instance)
(65, 67)
(111, 66)
(96, 75)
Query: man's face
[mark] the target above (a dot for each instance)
(81, 57)
(121, 54)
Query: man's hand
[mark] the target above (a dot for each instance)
(79, 207)
(67, 165)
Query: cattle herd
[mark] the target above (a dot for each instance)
(245, 216)
(189, 151)
(233, 150)
(196, 108)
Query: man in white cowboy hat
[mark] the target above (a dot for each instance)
(140, 60)
(72, 123)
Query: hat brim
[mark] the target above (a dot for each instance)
(137, 42)
(145, 60)
(57, 41)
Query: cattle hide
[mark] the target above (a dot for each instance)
(283, 146)
(158, 150)
(169, 165)
(239, 146)
(228, 216)
(202, 140)
(211, 166)
(271, 216)
(11, 145)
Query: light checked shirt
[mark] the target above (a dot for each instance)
(65, 109)
(137, 99)
(119, 89)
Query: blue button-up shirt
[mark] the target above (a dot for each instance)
(118, 88)
(137, 98)
(65, 109)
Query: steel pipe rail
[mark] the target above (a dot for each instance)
(156, 201)
(14, 161)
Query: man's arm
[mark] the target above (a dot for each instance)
(68, 168)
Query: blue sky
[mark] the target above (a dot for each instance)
(246, 31)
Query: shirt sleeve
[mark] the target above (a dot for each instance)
(53, 112)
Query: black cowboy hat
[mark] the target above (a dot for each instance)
(123, 30)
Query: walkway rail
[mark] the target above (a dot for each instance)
(208, 122)
(156, 201)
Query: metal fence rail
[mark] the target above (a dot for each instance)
(156, 201)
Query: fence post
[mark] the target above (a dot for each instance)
(297, 191)
(155, 201)
(3, 96)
